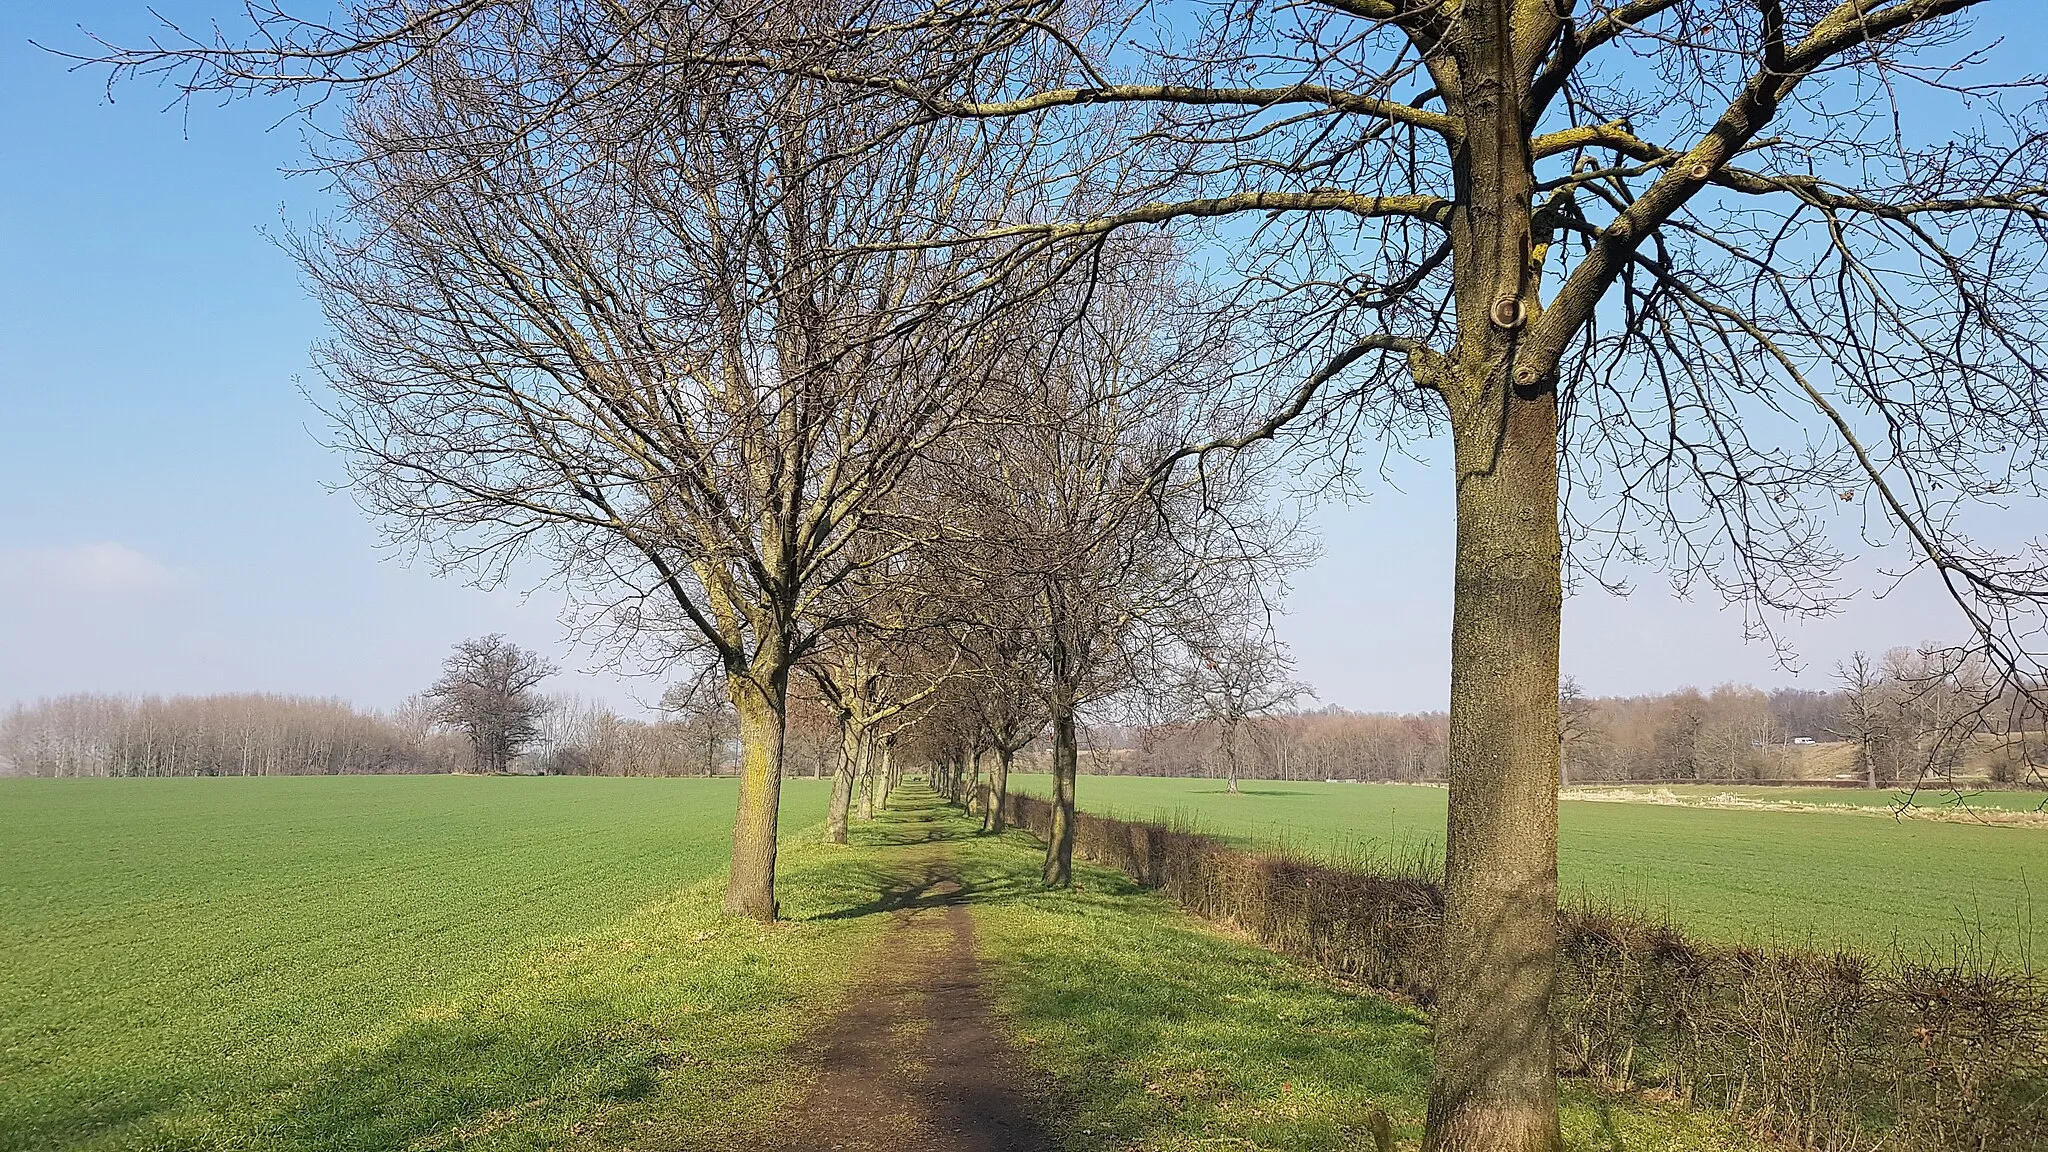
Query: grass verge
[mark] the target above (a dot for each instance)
(1161, 1034)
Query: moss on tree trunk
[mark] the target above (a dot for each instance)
(999, 789)
(759, 700)
(1059, 844)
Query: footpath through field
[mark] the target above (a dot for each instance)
(915, 1062)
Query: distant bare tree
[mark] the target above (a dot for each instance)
(871, 681)
(1230, 680)
(1005, 696)
(1574, 724)
(1863, 717)
(486, 692)
(699, 708)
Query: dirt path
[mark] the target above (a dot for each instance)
(915, 1063)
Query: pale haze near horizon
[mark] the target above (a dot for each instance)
(167, 518)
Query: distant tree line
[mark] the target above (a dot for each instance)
(578, 737)
(1909, 715)
(483, 715)
(241, 734)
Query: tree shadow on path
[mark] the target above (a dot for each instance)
(915, 1061)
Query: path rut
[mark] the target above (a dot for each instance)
(915, 1062)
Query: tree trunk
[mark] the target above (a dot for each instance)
(999, 789)
(844, 775)
(759, 698)
(1059, 844)
(1230, 755)
(977, 795)
(867, 776)
(1494, 1086)
(885, 779)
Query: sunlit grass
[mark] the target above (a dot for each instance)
(331, 963)
(370, 964)
(1802, 878)
(1161, 1034)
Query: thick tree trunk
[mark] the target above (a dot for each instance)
(1494, 1087)
(844, 776)
(759, 699)
(999, 792)
(1059, 844)
(977, 795)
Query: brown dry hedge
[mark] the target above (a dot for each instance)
(1830, 1052)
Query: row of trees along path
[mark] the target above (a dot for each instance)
(709, 303)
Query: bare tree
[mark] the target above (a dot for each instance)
(871, 676)
(486, 692)
(1231, 680)
(1863, 712)
(675, 345)
(705, 715)
(1006, 697)
(1091, 559)
(1574, 724)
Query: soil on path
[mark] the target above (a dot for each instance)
(915, 1063)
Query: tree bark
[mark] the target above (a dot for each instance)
(844, 776)
(1494, 1086)
(1059, 844)
(999, 788)
(867, 776)
(885, 777)
(759, 698)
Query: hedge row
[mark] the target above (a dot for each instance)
(1830, 1052)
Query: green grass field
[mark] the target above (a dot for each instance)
(378, 963)
(372, 963)
(1810, 879)
(1166, 1037)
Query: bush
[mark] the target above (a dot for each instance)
(1830, 1052)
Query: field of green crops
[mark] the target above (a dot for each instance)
(377, 963)
(367, 964)
(1787, 877)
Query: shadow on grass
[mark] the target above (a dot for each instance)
(876, 883)
(453, 1083)
(1161, 1032)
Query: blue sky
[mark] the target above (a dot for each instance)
(166, 519)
